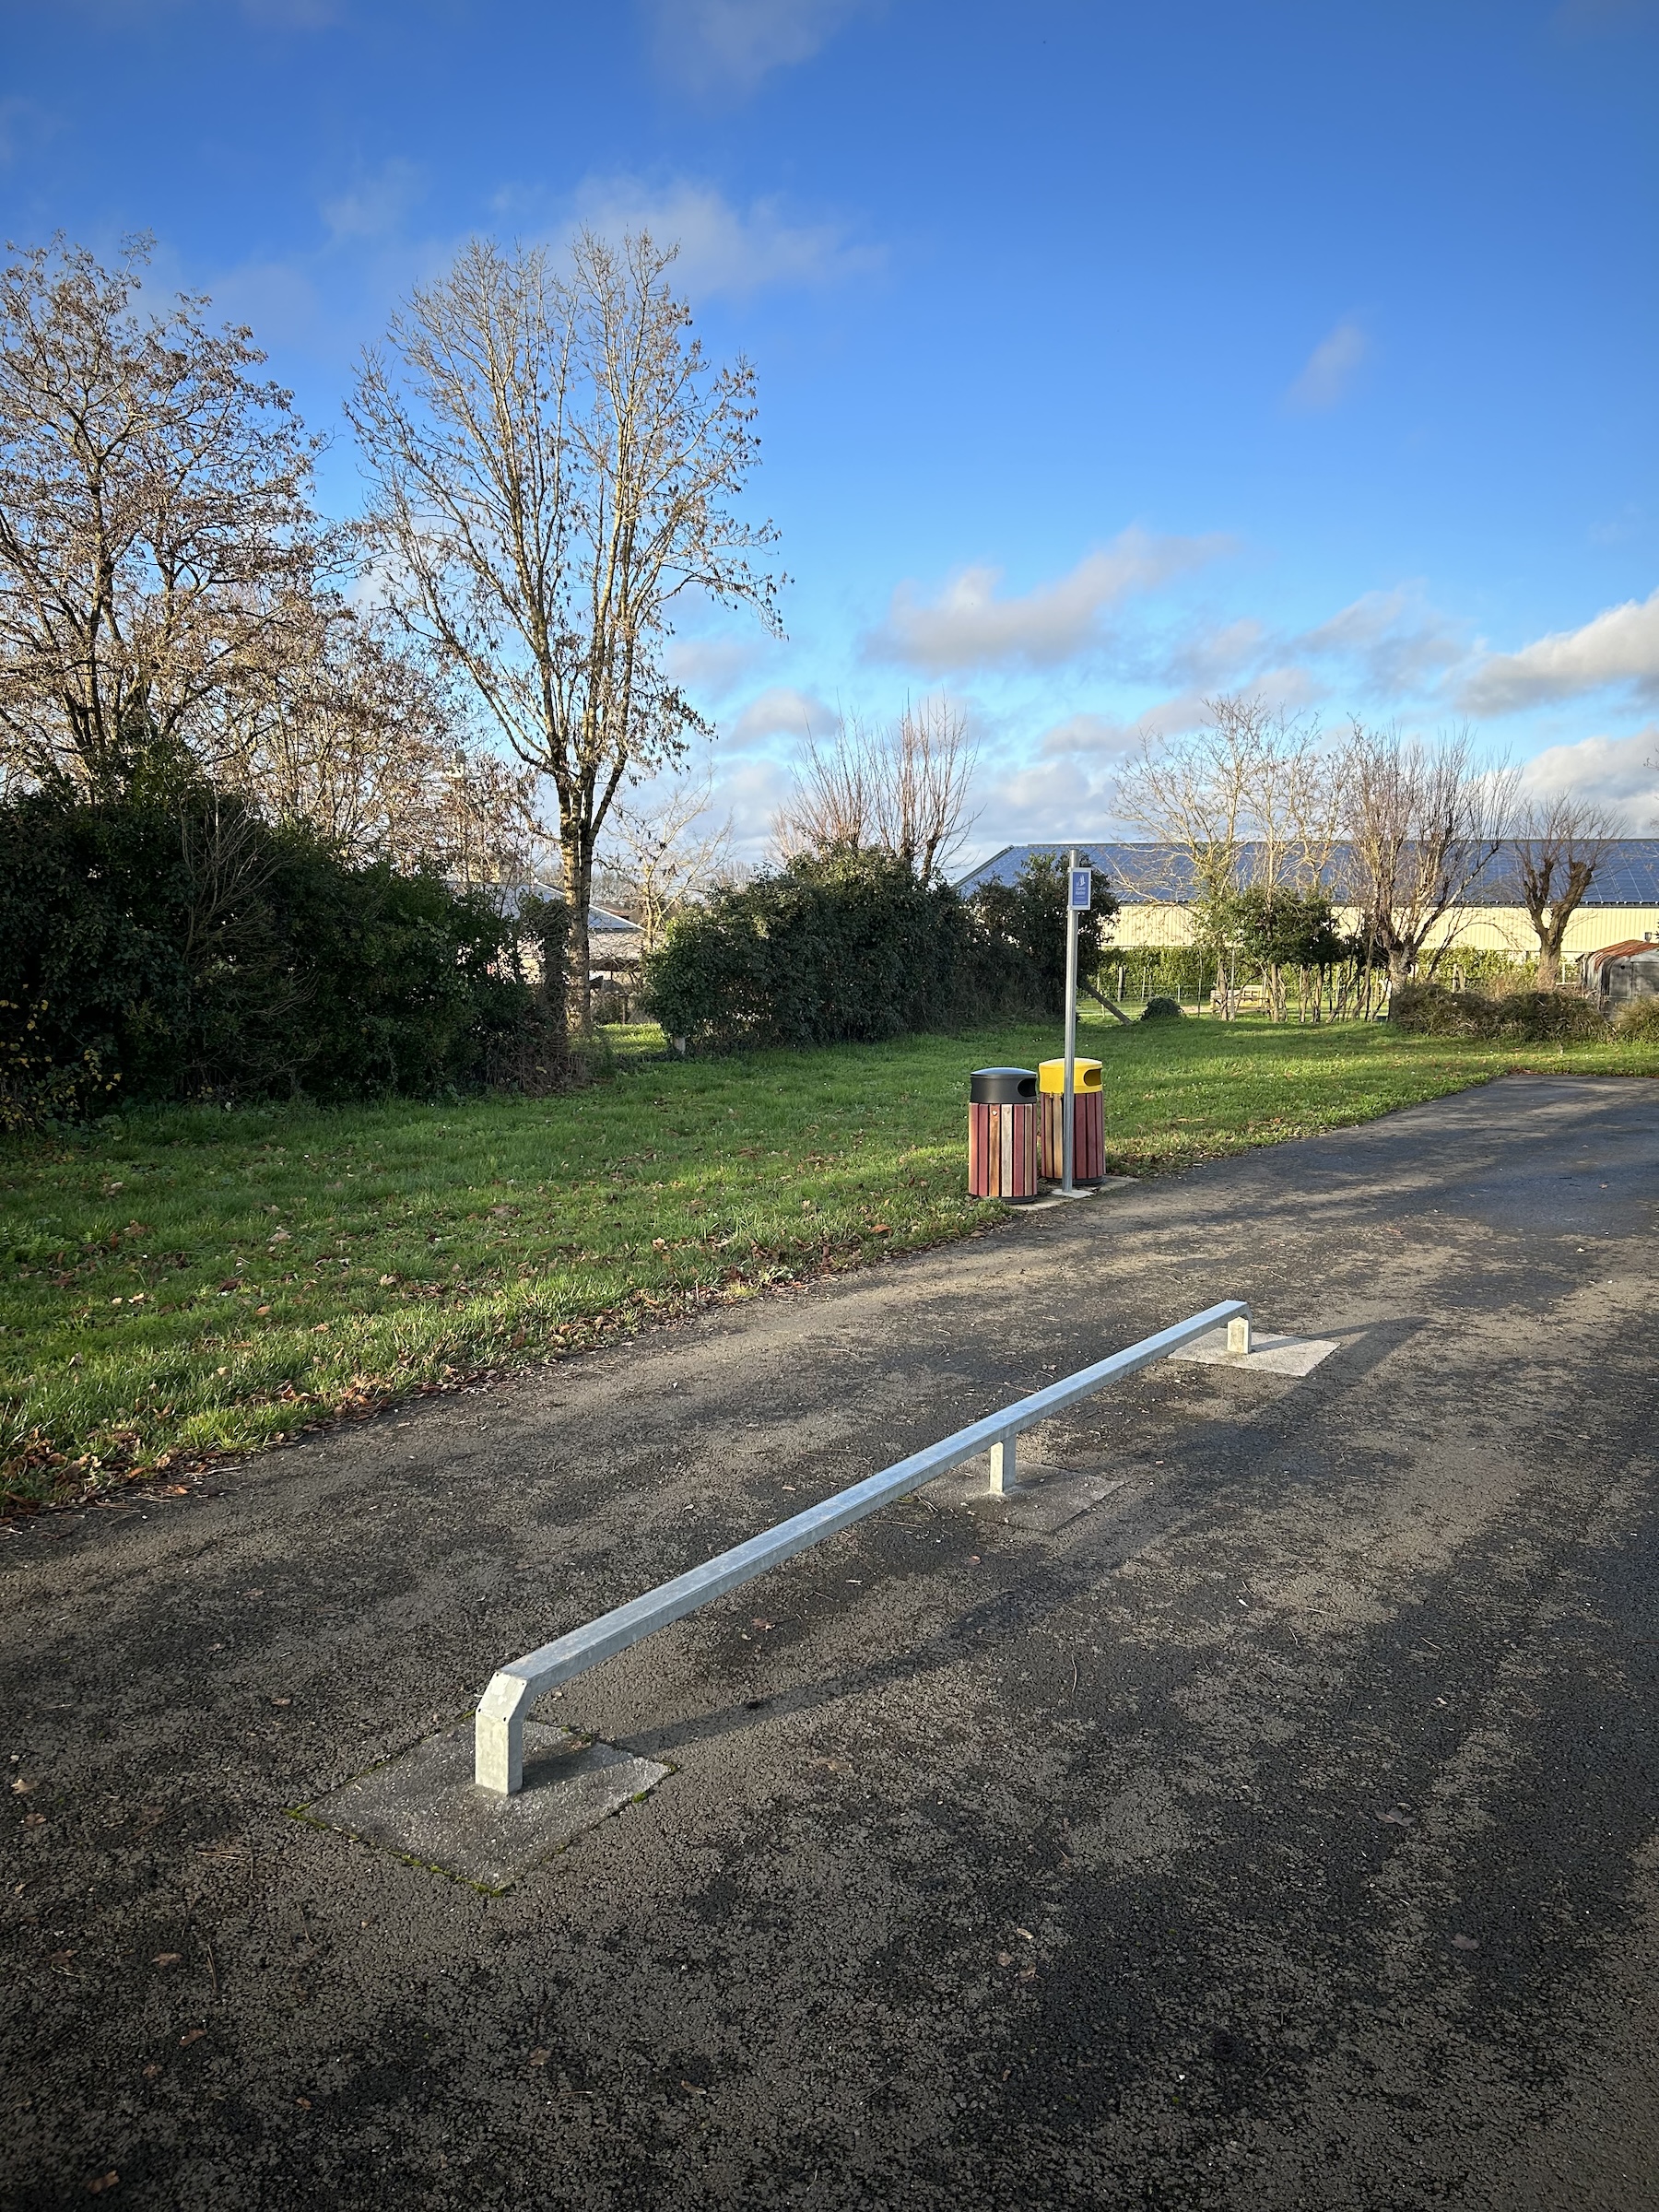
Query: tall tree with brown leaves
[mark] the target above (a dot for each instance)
(158, 551)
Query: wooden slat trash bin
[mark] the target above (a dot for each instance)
(1003, 1107)
(1089, 1126)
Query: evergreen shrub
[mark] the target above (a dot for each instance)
(180, 946)
(846, 948)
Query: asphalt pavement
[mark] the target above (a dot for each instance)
(1259, 1811)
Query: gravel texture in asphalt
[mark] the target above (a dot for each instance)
(1260, 1810)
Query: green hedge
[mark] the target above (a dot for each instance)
(847, 948)
(184, 948)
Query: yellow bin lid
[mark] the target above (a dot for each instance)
(1086, 1075)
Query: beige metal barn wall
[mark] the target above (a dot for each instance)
(1476, 928)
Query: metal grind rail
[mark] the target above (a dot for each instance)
(498, 1728)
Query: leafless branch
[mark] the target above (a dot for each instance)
(553, 464)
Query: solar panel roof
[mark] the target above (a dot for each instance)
(1628, 876)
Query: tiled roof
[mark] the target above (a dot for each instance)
(1142, 874)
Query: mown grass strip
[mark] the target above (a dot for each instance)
(201, 1282)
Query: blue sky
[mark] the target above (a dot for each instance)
(1109, 356)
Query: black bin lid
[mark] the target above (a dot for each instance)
(1001, 1086)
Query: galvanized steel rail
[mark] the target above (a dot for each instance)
(498, 1728)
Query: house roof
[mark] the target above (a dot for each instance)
(508, 898)
(1145, 873)
(1628, 949)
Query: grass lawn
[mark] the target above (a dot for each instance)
(198, 1281)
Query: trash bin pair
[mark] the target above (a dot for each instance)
(1017, 1129)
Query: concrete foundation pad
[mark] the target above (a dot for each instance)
(426, 1807)
(1043, 1499)
(1057, 1498)
(1267, 1356)
(1053, 1197)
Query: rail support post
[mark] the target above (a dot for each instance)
(498, 1736)
(1238, 1336)
(1004, 1471)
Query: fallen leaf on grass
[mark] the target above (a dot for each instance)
(303, 2103)
(1395, 1818)
(100, 2181)
(539, 2058)
(151, 2072)
(1464, 1943)
(191, 2035)
(282, 1701)
(21, 1788)
(165, 1959)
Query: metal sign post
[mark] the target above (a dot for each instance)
(1079, 896)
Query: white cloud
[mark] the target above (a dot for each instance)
(751, 791)
(730, 46)
(968, 627)
(779, 712)
(1621, 772)
(1329, 368)
(1395, 641)
(1620, 646)
(723, 248)
(1214, 658)
(277, 299)
(709, 666)
(1086, 737)
(1035, 800)
(376, 206)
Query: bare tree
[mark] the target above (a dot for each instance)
(1245, 801)
(364, 742)
(901, 790)
(157, 549)
(831, 806)
(1423, 823)
(1557, 846)
(553, 464)
(922, 799)
(666, 851)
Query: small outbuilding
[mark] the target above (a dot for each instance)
(1626, 970)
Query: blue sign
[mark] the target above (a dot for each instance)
(1082, 891)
